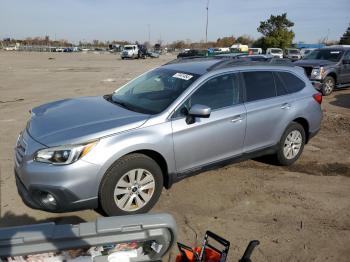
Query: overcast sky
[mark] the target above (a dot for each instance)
(168, 19)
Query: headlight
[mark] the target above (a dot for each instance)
(317, 72)
(63, 155)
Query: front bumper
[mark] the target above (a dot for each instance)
(126, 55)
(65, 200)
(74, 186)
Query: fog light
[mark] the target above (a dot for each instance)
(48, 200)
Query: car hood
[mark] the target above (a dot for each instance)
(313, 63)
(79, 120)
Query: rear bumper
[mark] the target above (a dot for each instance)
(317, 84)
(312, 134)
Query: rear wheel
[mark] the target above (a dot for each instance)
(328, 86)
(291, 144)
(132, 185)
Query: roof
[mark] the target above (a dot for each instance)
(203, 65)
(338, 47)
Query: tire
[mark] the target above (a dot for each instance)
(291, 144)
(118, 196)
(328, 85)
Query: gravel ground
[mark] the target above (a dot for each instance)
(299, 213)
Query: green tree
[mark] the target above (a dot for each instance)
(276, 31)
(245, 40)
(226, 41)
(345, 39)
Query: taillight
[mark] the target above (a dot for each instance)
(318, 97)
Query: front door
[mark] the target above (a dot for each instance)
(212, 139)
(344, 76)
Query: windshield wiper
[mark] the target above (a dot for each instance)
(119, 103)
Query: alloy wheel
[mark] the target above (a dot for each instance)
(292, 144)
(328, 86)
(134, 190)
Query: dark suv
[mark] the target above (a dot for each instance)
(328, 68)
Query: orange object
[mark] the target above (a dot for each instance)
(210, 255)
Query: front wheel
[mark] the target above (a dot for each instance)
(131, 186)
(328, 86)
(291, 144)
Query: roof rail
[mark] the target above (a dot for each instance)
(229, 61)
(244, 61)
(190, 59)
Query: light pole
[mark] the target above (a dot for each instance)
(206, 28)
(149, 33)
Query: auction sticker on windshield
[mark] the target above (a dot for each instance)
(183, 76)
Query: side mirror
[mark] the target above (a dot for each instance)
(197, 110)
(346, 61)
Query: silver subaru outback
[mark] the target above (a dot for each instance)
(118, 151)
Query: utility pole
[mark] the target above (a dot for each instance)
(206, 28)
(149, 33)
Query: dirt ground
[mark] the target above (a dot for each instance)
(299, 213)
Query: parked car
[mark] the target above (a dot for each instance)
(130, 51)
(276, 52)
(152, 54)
(306, 51)
(328, 68)
(10, 48)
(118, 151)
(192, 52)
(239, 48)
(255, 50)
(292, 54)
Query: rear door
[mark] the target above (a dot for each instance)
(212, 139)
(267, 110)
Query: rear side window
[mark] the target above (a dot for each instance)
(259, 85)
(280, 87)
(291, 83)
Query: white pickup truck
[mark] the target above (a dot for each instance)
(130, 51)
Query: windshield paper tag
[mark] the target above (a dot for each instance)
(182, 76)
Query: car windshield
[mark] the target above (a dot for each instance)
(294, 51)
(128, 48)
(154, 91)
(276, 51)
(325, 54)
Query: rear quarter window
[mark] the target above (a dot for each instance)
(291, 82)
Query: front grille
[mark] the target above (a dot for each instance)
(308, 71)
(20, 149)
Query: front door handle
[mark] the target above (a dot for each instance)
(285, 106)
(237, 119)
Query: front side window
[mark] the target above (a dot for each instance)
(154, 91)
(259, 85)
(218, 92)
(276, 51)
(347, 56)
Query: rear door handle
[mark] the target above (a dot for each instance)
(285, 106)
(237, 118)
